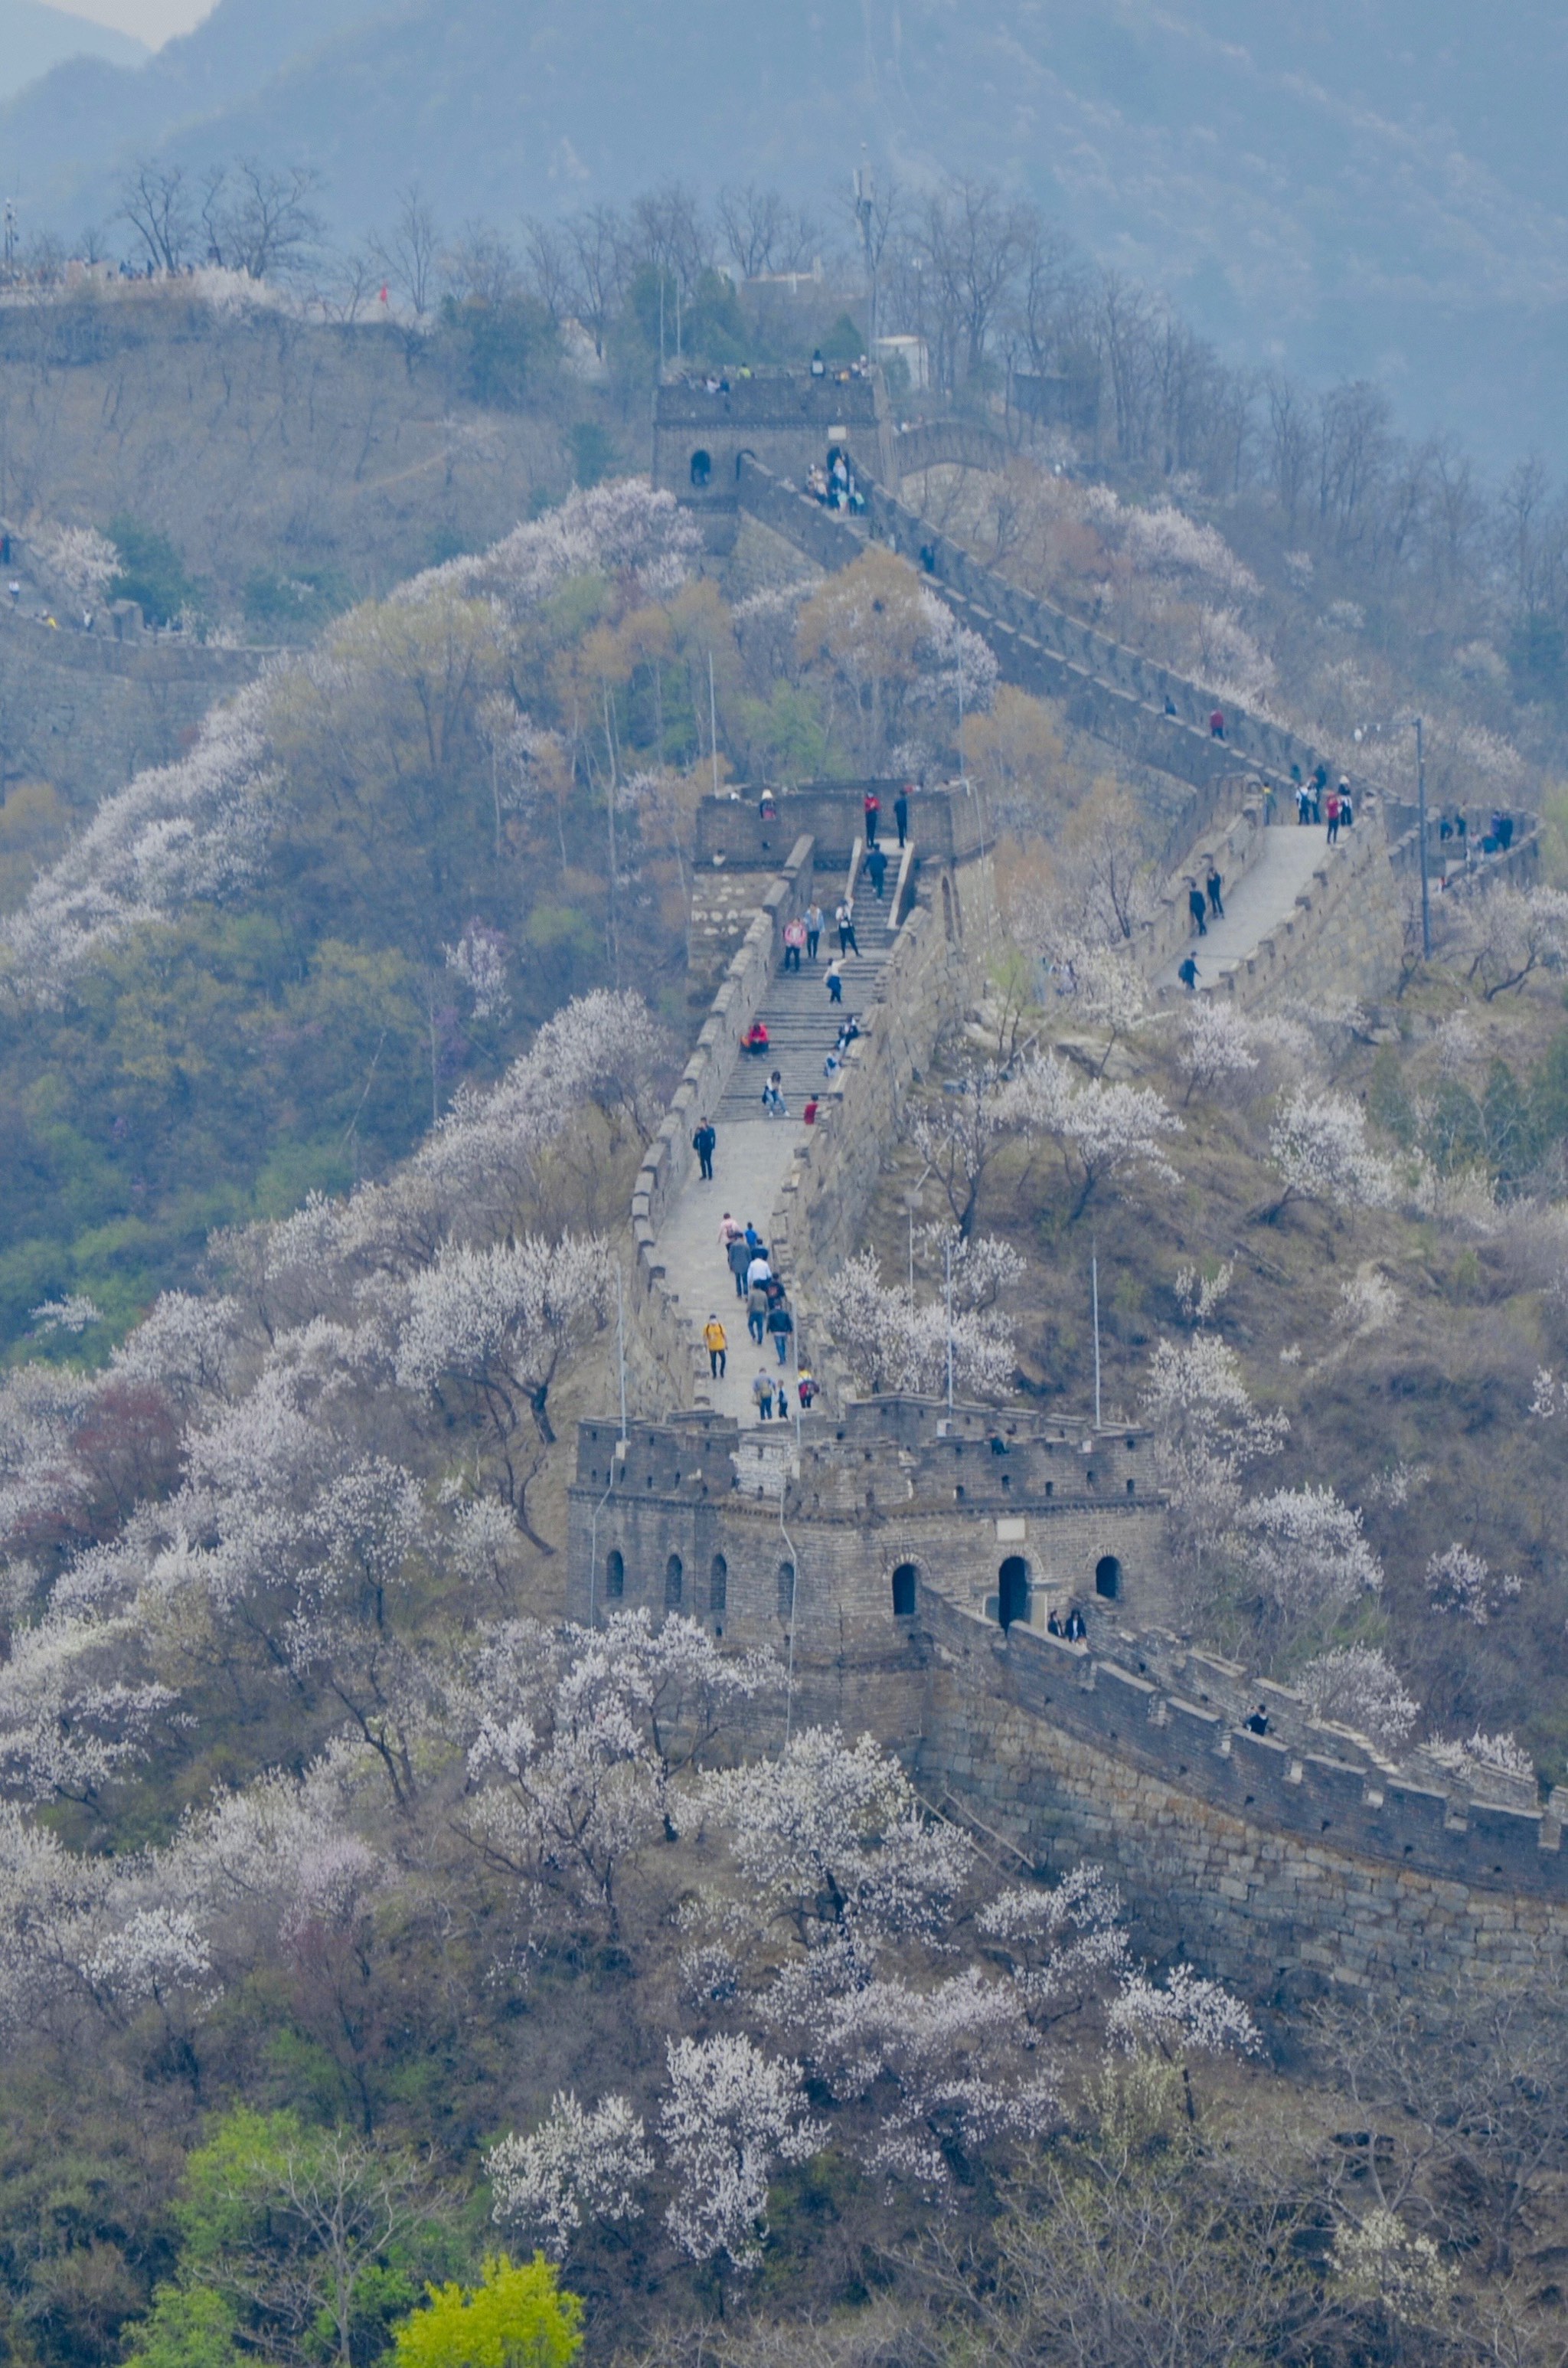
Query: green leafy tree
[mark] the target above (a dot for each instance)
(311, 2240)
(151, 571)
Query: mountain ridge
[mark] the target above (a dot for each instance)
(1348, 198)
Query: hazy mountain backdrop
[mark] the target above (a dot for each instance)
(33, 38)
(1366, 187)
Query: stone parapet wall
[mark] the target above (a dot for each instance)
(663, 1352)
(1272, 1866)
(85, 712)
(1111, 692)
(1231, 849)
(1342, 941)
(926, 984)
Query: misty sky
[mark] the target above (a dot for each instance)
(153, 21)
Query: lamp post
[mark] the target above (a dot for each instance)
(1421, 825)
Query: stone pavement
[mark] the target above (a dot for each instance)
(749, 1167)
(1264, 898)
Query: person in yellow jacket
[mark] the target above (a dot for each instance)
(715, 1341)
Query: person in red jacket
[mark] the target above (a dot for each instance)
(873, 808)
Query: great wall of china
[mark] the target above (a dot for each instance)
(906, 1556)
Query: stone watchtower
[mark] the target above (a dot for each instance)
(786, 419)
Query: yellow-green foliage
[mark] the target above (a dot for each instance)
(516, 2317)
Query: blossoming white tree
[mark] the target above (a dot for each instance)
(1463, 1585)
(731, 2114)
(1307, 1555)
(494, 1324)
(1101, 1131)
(1207, 1432)
(895, 1341)
(575, 2166)
(1215, 1047)
(1357, 1685)
(1318, 1142)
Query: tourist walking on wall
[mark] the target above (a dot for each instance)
(757, 1312)
(781, 1324)
(1333, 816)
(1195, 905)
(739, 1256)
(716, 1345)
(1217, 724)
(794, 941)
(834, 975)
(1188, 975)
(873, 808)
(703, 1143)
(762, 1391)
(900, 814)
(844, 921)
(813, 929)
(877, 865)
(1214, 883)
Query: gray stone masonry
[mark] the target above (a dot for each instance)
(84, 712)
(892, 1486)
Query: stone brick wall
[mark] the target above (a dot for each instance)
(671, 1503)
(928, 982)
(1273, 1867)
(85, 712)
(1342, 941)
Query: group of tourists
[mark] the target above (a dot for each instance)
(768, 1318)
(836, 487)
(1317, 804)
(1073, 1628)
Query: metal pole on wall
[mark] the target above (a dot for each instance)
(1421, 813)
(947, 1262)
(712, 725)
(620, 1344)
(1094, 1288)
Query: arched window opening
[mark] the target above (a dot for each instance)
(701, 469)
(1013, 1590)
(1107, 1577)
(614, 1573)
(905, 1579)
(674, 1573)
(719, 1585)
(786, 1591)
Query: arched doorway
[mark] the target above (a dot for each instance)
(614, 1573)
(719, 1585)
(675, 1575)
(1107, 1577)
(1013, 1590)
(905, 1580)
(786, 1591)
(701, 469)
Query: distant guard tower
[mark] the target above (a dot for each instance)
(786, 419)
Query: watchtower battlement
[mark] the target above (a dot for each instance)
(1017, 1516)
(788, 420)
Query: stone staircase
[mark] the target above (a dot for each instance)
(801, 1020)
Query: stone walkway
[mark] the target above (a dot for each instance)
(1262, 899)
(749, 1167)
(755, 1152)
